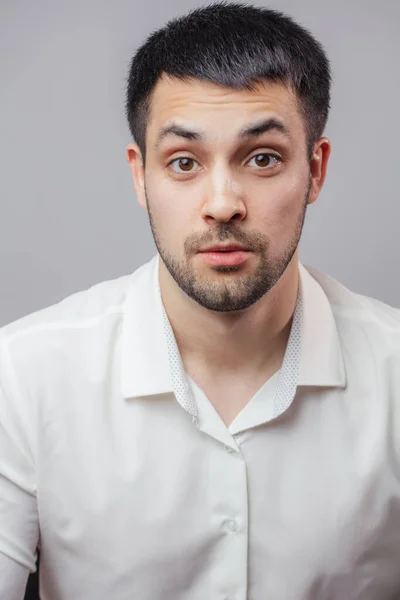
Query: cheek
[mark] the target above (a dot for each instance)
(171, 214)
(291, 205)
(279, 206)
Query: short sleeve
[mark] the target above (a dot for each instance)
(19, 529)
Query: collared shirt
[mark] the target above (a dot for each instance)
(118, 466)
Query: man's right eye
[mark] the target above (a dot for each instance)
(183, 164)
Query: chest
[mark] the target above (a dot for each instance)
(152, 506)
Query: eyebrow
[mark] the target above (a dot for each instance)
(250, 131)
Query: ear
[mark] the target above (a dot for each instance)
(135, 160)
(318, 167)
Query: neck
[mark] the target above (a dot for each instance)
(251, 342)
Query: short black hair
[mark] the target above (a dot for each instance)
(233, 45)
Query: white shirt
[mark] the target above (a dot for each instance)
(139, 490)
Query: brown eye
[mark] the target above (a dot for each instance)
(183, 165)
(264, 160)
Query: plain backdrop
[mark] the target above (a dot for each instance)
(69, 216)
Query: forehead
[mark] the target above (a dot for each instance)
(217, 108)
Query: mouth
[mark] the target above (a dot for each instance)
(230, 255)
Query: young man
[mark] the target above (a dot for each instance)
(224, 422)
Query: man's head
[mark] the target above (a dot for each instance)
(227, 106)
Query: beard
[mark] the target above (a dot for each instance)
(227, 294)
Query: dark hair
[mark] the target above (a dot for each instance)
(233, 45)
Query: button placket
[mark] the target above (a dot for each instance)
(230, 515)
(231, 525)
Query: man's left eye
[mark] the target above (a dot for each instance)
(264, 160)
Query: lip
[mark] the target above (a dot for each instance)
(225, 258)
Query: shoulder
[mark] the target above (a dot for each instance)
(358, 313)
(78, 325)
(82, 309)
(79, 309)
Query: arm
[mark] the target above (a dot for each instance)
(13, 578)
(19, 530)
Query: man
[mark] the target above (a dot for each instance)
(224, 422)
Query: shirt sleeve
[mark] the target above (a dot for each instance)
(13, 579)
(19, 529)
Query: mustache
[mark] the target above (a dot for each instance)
(226, 233)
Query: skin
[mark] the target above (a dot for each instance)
(231, 324)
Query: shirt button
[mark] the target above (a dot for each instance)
(229, 449)
(231, 525)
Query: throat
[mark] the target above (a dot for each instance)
(229, 396)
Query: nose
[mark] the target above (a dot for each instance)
(223, 200)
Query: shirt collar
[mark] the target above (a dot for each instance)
(147, 339)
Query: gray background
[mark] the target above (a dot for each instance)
(69, 216)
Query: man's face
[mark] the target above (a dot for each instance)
(207, 183)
